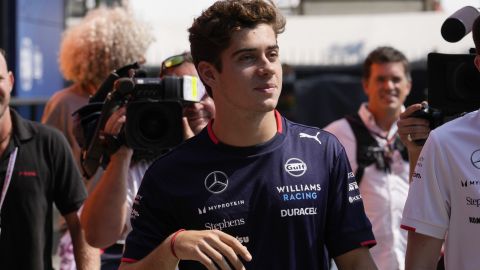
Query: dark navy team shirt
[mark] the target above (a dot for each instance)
(292, 201)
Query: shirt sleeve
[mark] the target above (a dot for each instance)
(427, 208)
(150, 218)
(69, 190)
(348, 227)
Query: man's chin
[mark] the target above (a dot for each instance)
(197, 124)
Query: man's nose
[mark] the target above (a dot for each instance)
(388, 84)
(266, 66)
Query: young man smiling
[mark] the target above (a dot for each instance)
(218, 200)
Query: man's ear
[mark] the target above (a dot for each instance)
(476, 61)
(207, 72)
(365, 86)
(12, 80)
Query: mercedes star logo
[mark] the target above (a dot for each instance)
(475, 158)
(216, 182)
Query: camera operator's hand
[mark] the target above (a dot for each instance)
(411, 129)
(209, 246)
(115, 122)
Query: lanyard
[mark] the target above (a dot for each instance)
(8, 175)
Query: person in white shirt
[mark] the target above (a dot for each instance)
(376, 154)
(444, 198)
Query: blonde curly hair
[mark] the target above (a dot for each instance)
(106, 39)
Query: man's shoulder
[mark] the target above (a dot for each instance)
(36, 130)
(300, 130)
(190, 148)
(337, 126)
(458, 127)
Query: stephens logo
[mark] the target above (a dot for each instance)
(295, 167)
(225, 224)
(216, 182)
(475, 159)
(473, 202)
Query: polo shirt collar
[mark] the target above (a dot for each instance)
(22, 130)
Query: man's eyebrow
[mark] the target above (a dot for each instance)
(239, 51)
(243, 50)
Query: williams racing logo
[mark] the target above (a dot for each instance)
(216, 182)
(295, 167)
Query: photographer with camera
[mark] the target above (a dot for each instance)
(376, 154)
(105, 40)
(252, 190)
(443, 201)
(106, 212)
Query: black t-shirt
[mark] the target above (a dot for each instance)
(44, 173)
(288, 200)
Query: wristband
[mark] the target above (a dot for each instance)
(172, 242)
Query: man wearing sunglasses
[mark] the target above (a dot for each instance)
(105, 214)
(196, 115)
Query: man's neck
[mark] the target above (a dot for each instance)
(385, 119)
(245, 130)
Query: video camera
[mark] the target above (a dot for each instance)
(154, 115)
(453, 80)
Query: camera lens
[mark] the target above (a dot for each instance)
(153, 124)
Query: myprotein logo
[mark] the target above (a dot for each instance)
(295, 167)
(467, 183)
(475, 159)
(220, 206)
(216, 182)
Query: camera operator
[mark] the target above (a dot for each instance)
(106, 39)
(196, 115)
(444, 197)
(106, 212)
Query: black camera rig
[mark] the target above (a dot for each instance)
(453, 79)
(154, 116)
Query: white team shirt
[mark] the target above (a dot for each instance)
(444, 197)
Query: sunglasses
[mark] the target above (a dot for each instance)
(174, 61)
